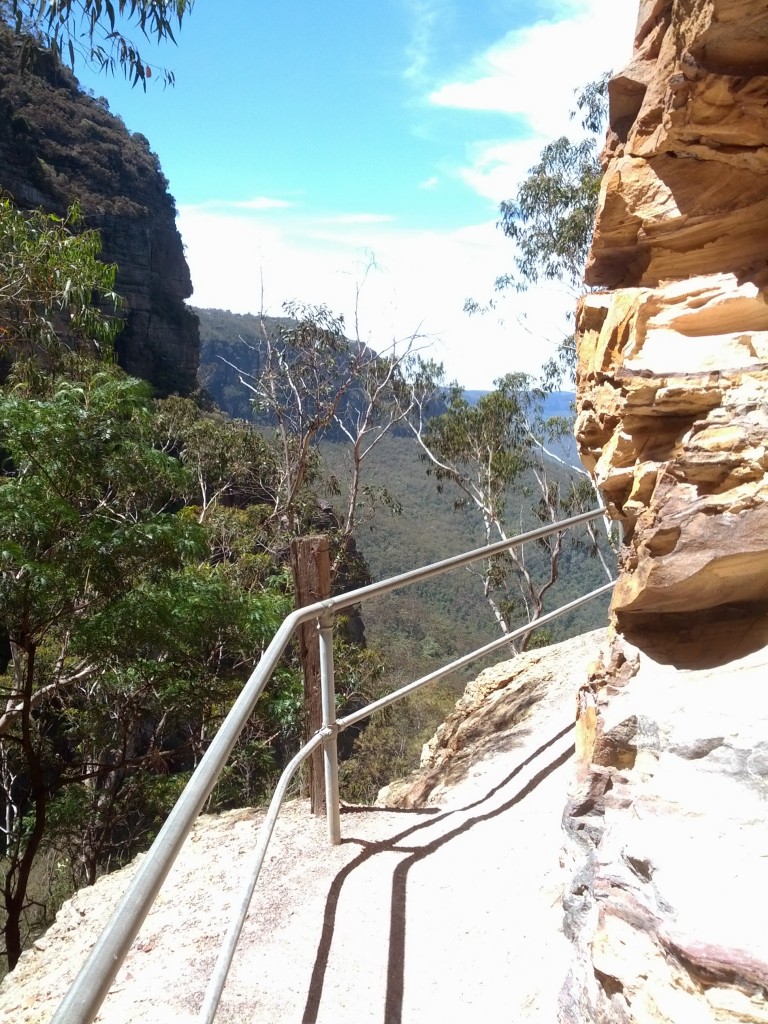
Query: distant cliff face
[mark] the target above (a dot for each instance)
(57, 145)
(673, 359)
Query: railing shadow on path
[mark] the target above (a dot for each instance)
(393, 1003)
(87, 992)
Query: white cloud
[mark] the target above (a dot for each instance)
(245, 258)
(424, 15)
(358, 218)
(418, 285)
(495, 167)
(533, 71)
(531, 75)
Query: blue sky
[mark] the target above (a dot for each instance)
(304, 140)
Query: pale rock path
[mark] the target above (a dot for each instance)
(443, 914)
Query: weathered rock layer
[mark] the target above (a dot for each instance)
(666, 829)
(673, 361)
(665, 822)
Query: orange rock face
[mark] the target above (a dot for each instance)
(673, 356)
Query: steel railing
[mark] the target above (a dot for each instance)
(90, 987)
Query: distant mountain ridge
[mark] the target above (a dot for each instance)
(232, 344)
(557, 403)
(229, 340)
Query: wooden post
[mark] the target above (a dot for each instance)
(312, 577)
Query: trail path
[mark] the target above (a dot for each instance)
(444, 914)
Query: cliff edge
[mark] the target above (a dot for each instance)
(446, 911)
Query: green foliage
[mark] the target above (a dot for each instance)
(552, 215)
(142, 573)
(91, 30)
(49, 274)
(131, 626)
(83, 502)
(226, 461)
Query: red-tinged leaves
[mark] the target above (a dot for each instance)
(81, 28)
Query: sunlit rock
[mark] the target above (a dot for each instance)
(673, 361)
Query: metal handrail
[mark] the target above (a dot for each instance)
(90, 987)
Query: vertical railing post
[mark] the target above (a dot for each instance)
(312, 577)
(330, 750)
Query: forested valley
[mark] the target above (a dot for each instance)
(145, 545)
(407, 517)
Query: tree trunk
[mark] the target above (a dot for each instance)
(23, 857)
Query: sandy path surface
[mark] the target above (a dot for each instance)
(443, 914)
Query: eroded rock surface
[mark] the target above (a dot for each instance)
(673, 362)
(666, 820)
(531, 695)
(667, 845)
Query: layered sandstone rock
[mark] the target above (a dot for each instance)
(673, 360)
(665, 821)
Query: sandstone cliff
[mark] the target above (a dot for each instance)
(665, 822)
(58, 144)
(673, 360)
(664, 845)
(665, 839)
(664, 852)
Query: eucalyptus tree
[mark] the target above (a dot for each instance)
(129, 627)
(314, 384)
(550, 218)
(96, 31)
(50, 276)
(488, 454)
